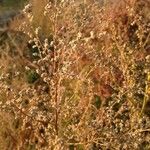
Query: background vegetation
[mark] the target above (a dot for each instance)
(75, 75)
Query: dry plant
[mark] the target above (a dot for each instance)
(87, 68)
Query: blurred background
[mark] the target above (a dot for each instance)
(6, 5)
(8, 10)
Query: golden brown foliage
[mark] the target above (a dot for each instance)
(88, 76)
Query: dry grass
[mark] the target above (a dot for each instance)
(92, 90)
